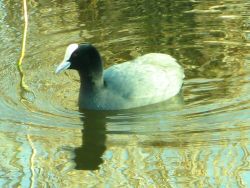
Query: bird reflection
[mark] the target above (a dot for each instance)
(89, 155)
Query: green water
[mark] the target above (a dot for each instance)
(200, 138)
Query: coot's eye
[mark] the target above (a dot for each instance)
(74, 54)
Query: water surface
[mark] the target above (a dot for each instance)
(199, 138)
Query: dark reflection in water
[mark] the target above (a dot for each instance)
(88, 156)
(94, 132)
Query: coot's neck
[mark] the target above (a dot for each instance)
(91, 82)
(92, 75)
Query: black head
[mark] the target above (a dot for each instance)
(84, 58)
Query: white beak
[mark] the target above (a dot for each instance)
(65, 63)
(63, 66)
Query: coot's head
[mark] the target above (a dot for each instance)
(83, 57)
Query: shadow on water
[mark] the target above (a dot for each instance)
(94, 132)
(88, 156)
